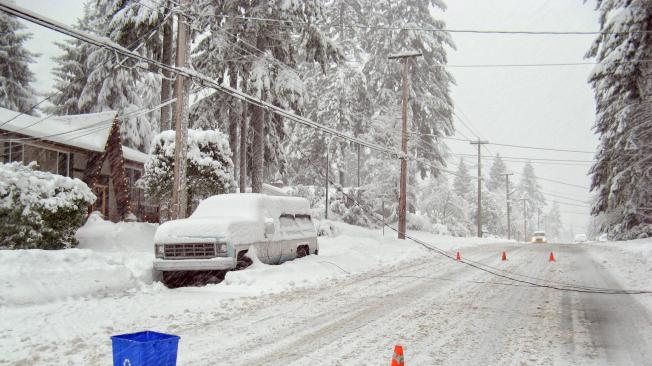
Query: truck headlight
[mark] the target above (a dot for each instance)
(159, 250)
(220, 249)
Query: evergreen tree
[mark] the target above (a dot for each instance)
(622, 176)
(462, 182)
(496, 180)
(430, 105)
(92, 79)
(210, 169)
(529, 188)
(554, 226)
(16, 93)
(266, 55)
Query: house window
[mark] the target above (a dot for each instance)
(133, 175)
(12, 151)
(63, 164)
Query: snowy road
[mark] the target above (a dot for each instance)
(441, 311)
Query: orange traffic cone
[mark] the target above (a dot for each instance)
(458, 257)
(552, 257)
(397, 359)
(504, 256)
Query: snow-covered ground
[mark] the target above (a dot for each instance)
(350, 304)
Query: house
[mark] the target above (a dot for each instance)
(87, 147)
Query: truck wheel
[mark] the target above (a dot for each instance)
(302, 251)
(243, 260)
(174, 279)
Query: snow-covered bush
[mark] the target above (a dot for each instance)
(40, 210)
(418, 222)
(327, 228)
(209, 170)
(346, 208)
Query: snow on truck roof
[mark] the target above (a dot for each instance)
(251, 206)
(85, 131)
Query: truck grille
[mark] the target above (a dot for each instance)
(190, 250)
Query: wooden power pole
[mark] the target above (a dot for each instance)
(166, 58)
(509, 223)
(479, 213)
(181, 86)
(402, 201)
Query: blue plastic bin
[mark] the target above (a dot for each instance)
(145, 349)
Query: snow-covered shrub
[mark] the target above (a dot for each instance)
(327, 228)
(209, 170)
(418, 222)
(344, 205)
(315, 195)
(40, 210)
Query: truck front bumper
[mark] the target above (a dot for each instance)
(212, 264)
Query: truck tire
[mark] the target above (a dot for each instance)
(174, 279)
(243, 261)
(302, 251)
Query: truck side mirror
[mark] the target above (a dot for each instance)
(269, 228)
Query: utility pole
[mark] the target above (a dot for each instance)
(402, 204)
(358, 145)
(166, 58)
(181, 86)
(509, 224)
(524, 199)
(328, 146)
(479, 213)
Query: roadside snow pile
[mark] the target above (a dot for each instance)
(106, 236)
(355, 250)
(115, 258)
(631, 260)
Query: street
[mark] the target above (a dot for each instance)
(441, 311)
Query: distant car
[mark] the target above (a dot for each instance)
(580, 238)
(539, 237)
(604, 237)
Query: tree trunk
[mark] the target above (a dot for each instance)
(234, 121)
(166, 84)
(258, 148)
(243, 147)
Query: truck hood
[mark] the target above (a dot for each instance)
(209, 230)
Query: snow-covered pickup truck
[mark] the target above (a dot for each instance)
(223, 228)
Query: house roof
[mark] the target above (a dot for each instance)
(85, 131)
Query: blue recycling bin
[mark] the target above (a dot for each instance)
(145, 349)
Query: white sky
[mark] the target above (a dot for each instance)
(538, 106)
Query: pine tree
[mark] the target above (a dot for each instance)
(622, 82)
(430, 105)
(16, 92)
(496, 180)
(554, 226)
(265, 60)
(529, 188)
(92, 79)
(462, 182)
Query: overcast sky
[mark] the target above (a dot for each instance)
(535, 106)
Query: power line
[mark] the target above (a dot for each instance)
(140, 40)
(529, 147)
(437, 30)
(191, 74)
(482, 267)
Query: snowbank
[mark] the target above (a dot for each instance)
(113, 258)
(354, 251)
